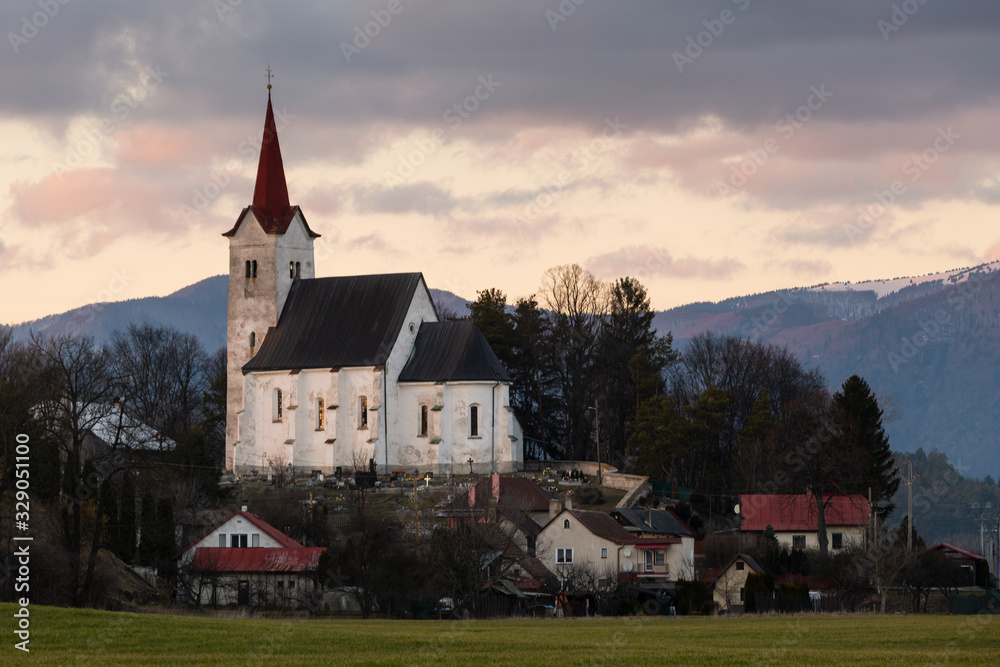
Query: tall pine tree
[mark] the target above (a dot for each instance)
(859, 419)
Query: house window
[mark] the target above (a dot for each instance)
(423, 421)
(320, 414)
(798, 541)
(239, 541)
(473, 421)
(255, 540)
(743, 592)
(660, 558)
(253, 266)
(253, 342)
(362, 412)
(276, 410)
(565, 523)
(222, 539)
(291, 583)
(281, 585)
(649, 560)
(248, 268)
(604, 552)
(838, 540)
(739, 565)
(564, 556)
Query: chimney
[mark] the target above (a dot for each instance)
(555, 506)
(496, 487)
(569, 501)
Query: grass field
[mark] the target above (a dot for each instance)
(71, 636)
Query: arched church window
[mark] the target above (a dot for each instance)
(248, 268)
(253, 342)
(320, 415)
(276, 410)
(423, 421)
(298, 269)
(291, 269)
(362, 412)
(254, 268)
(474, 429)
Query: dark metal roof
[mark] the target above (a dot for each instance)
(332, 322)
(661, 522)
(452, 351)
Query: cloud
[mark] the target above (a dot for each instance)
(993, 254)
(644, 261)
(423, 198)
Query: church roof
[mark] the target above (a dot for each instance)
(333, 322)
(270, 194)
(452, 351)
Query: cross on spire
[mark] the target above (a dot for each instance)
(269, 75)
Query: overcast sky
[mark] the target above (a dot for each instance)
(711, 148)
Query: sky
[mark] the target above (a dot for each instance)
(709, 148)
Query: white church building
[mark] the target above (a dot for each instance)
(335, 372)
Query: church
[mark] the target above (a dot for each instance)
(327, 373)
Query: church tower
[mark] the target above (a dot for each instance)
(270, 246)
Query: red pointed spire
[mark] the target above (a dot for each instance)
(271, 191)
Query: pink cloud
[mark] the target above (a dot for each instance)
(643, 261)
(150, 146)
(993, 254)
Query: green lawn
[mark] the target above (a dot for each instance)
(69, 636)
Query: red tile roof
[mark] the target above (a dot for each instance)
(944, 546)
(235, 559)
(786, 512)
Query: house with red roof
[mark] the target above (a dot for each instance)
(246, 561)
(794, 519)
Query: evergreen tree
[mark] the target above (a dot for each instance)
(859, 418)
(489, 312)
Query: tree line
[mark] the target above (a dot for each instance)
(724, 416)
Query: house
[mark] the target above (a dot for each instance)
(344, 371)
(247, 562)
(729, 583)
(665, 543)
(793, 519)
(976, 568)
(584, 541)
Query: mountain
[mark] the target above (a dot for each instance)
(927, 345)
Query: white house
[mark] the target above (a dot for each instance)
(793, 518)
(334, 372)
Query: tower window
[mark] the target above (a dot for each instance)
(423, 421)
(277, 408)
(253, 342)
(248, 268)
(320, 415)
(291, 269)
(362, 412)
(474, 421)
(298, 269)
(253, 269)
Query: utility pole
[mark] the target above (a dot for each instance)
(597, 420)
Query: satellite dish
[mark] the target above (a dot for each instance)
(627, 566)
(627, 553)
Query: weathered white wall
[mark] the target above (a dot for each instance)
(586, 548)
